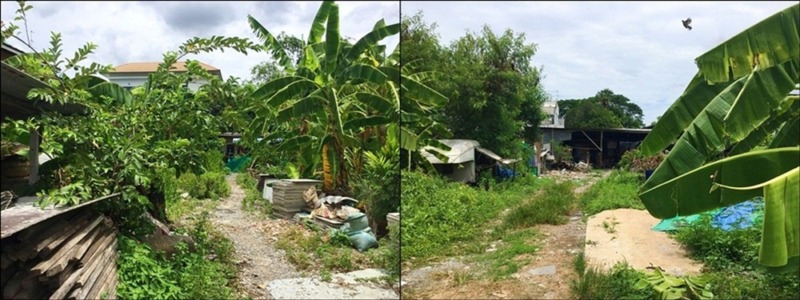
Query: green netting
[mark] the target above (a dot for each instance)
(238, 163)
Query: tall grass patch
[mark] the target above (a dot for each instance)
(438, 213)
(548, 207)
(618, 190)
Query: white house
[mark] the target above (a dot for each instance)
(553, 120)
(131, 75)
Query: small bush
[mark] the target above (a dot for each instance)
(211, 185)
(730, 258)
(206, 273)
(618, 190)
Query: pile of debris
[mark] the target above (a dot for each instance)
(339, 213)
(287, 197)
(73, 256)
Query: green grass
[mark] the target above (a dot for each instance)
(616, 283)
(505, 261)
(442, 218)
(253, 200)
(729, 258)
(313, 250)
(548, 207)
(618, 190)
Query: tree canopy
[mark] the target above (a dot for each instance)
(493, 90)
(603, 110)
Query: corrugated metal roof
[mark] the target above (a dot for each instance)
(15, 102)
(150, 67)
(460, 152)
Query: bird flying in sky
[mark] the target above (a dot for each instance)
(687, 23)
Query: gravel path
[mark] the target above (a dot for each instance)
(258, 259)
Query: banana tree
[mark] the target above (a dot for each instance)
(740, 98)
(319, 92)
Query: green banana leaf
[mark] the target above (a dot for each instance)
(768, 43)
(292, 90)
(781, 238)
(318, 25)
(689, 194)
(773, 124)
(701, 140)
(270, 43)
(372, 38)
(789, 134)
(332, 40)
(764, 93)
(680, 114)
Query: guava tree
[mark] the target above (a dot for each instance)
(736, 130)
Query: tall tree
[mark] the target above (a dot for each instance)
(490, 81)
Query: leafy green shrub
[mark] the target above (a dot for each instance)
(730, 259)
(720, 249)
(634, 160)
(204, 273)
(143, 275)
(618, 190)
(211, 185)
(619, 282)
(549, 207)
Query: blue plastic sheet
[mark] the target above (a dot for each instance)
(738, 216)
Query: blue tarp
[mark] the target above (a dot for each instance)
(742, 215)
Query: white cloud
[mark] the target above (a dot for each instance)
(144, 31)
(636, 49)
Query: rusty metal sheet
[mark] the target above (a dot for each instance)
(25, 214)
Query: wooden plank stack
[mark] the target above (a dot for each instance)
(287, 197)
(70, 256)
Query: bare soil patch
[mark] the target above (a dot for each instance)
(624, 235)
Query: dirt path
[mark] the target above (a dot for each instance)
(258, 259)
(547, 276)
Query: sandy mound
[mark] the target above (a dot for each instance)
(624, 235)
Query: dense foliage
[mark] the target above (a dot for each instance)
(494, 92)
(603, 110)
(730, 258)
(206, 273)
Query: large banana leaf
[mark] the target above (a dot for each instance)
(764, 93)
(675, 120)
(332, 40)
(271, 43)
(768, 43)
(292, 90)
(774, 123)
(781, 239)
(372, 38)
(789, 134)
(318, 26)
(689, 194)
(117, 93)
(703, 139)
(362, 72)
